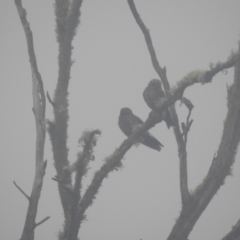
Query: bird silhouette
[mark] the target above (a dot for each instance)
(127, 121)
(154, 94)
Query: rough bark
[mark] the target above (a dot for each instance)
(67, 20)
(39, 113)
(234, 234)
(220, 168)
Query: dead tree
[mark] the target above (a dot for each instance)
(74, 201)
(39, 104)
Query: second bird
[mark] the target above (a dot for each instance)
(127, 121)
(153, 94)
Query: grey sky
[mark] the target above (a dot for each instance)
(112, 67)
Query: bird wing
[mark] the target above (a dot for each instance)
(135, 120)
(148, 98)
(147, 138)
(124, 125)
(128, 122)
(150, 141)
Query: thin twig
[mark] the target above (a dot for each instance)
(67, 187)
(186, 126)
(49, 99)
(28, 198)
(57, 180)
(189, 124)
(160, 71)
(44, 220)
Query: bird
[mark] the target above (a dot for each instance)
(154, 94)
(127, 121)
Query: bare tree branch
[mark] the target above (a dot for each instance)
(39, 103)
(162, 74)
(49, 99)
(186, 126)
(234, 234)
(220, 168)
(41, 222)
(193, 207)
(61, 11)
(160, 71)
(88, 141)
(113, 162)
(193, 77)
(28, 198)
(73, 18)
(67, 19)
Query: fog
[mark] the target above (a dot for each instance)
(112, 68)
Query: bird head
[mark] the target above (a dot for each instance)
(125, 111)
(155, 83)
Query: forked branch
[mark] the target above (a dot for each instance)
(194, 206)
(162, 74)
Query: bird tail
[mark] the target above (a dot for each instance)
(150, 141)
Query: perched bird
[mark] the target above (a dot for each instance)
(153, 94)
(127, 121)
